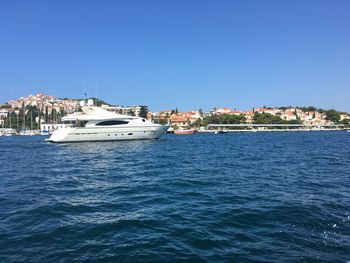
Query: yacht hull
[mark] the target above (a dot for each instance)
(91, 134)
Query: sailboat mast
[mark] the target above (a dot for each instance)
(31, 120)
(84, 92)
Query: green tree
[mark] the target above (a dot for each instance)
(311, 108)
(332, 115)
(143, 111)
(201, 112)
(197, 123)
(31, 113)
(130, 112)
(5, 106)
(160, 121)
(99, 102)
(53, 116)
(22, 118)
(266, 118)
(346, 122)
(46, 114)
(224, 119)
(11, 120)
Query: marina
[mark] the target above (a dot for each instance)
(219, 129)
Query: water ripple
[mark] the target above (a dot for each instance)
(243, 197)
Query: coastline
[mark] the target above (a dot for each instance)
(275, 130)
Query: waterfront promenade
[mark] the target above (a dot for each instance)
(272, 127)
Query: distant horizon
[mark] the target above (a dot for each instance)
(170, 108)
(185, 54)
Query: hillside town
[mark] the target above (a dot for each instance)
(41, 111)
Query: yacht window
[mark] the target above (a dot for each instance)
(108, 123)
(143, 120)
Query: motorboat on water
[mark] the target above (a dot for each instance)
(8, 132)
(45, 133)
(98, 124)
(27, 133)
(185, 131)
(220, 132)
(170, 130)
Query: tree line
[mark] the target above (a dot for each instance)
(258, 118)
(29, 117)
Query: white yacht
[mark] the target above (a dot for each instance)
(98, 124)
(8, 132)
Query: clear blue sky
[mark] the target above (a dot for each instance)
(180, 53)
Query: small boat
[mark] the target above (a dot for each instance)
(170, 130)
(220, 132)
(185, 131)
(27, 133)
(44, 133)
(9, 132)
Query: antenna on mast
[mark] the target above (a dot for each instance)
(85, 94)
(96, 80)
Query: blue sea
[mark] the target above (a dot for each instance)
(240, 197)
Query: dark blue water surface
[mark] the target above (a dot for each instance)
(242, 197)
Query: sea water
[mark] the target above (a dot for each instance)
(241, 197)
